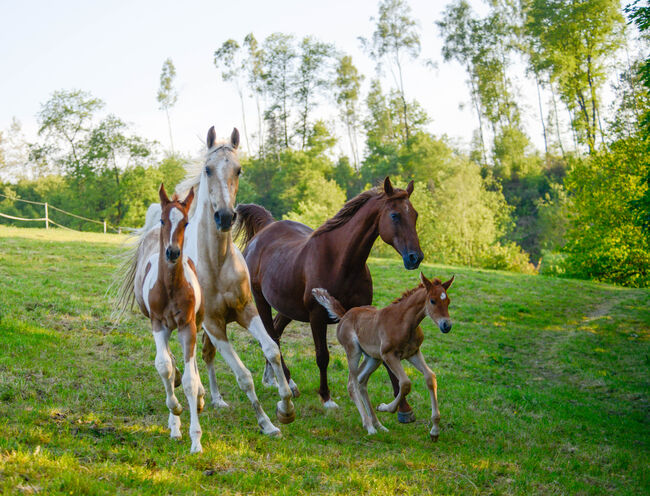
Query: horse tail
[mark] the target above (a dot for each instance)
(331, 304)
(121, 289)
(251, 219)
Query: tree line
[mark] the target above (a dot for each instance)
(579, 207)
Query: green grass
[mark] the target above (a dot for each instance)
(543, 387)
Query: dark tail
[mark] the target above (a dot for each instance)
(331, 304)
(251, 219)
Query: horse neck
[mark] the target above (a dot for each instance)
(354, 239)
(411, 308)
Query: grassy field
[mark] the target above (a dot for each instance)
(544, 388)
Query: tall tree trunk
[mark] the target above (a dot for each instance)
(557, 120)
(541, 115)
(243, 117)
(404, 104)
(479, 114)
(169, 127)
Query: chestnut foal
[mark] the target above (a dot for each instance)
(389, 334)
(167, 291)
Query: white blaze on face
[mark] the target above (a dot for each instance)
(175, 217)
(223, 182)
(443, 296)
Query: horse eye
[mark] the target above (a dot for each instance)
(208, 171)
(239, 171)
(432, 302)
(186, 224)
(162, 222)
(394, 216)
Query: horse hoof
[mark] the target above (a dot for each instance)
(273, 433)
(285, 418)
(330, 404)
(200, 405)
(406, 417)
(177, 410)
(196, 448)
(434, 437)
(219, 404)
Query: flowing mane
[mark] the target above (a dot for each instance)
(348, 210)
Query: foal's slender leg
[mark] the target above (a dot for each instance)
(217, 334)
(395, 365)
(250, 319)
(318, 323)
(370, 364)
(418, 362)
(191, 383)
(209, 352)
(353, 352)
(165, 369)
(405, 413)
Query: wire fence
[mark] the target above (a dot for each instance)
(48, 219)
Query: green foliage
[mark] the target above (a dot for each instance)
(319, 199)
(605, 242)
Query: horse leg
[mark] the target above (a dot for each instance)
(280, 322)
(250, 319)
(432, 385)
(217, 334)
(404, 382)
(165, 368)
(264, 311)
(353, 353)
(319, 333)
(208, 354)
(192, 384)
(370, 364)
(405, 414)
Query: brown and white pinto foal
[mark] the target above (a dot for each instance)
(390, 334)
(167, 290)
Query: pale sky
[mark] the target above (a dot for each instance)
(115, 51)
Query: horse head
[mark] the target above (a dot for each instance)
(221, 174)
(173, 219)
(437, 302)
(397, 224)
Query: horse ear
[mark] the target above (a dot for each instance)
(164, 199)
(212, 137)
(388, 187)
(234, 138)
(409, 188)
(187, 202)
(425, 281)
(446, 284)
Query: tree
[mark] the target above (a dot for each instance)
(167, 94)
(396, 36)
(347, 85)
(14, 154)
(312, 76)
(279, 61)
(229, 58)
(65, 122)
(255, 72)
(571, 42)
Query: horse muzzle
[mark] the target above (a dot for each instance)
(172, 254)
(224, 218)
(412, 259)
(444, 325)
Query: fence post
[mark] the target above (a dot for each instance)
(47, 218)
(104, 227)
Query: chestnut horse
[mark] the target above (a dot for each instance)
(287, 260)
(390, 334)
(164, 284)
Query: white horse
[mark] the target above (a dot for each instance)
(223, 276)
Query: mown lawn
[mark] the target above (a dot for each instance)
(544, 388)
